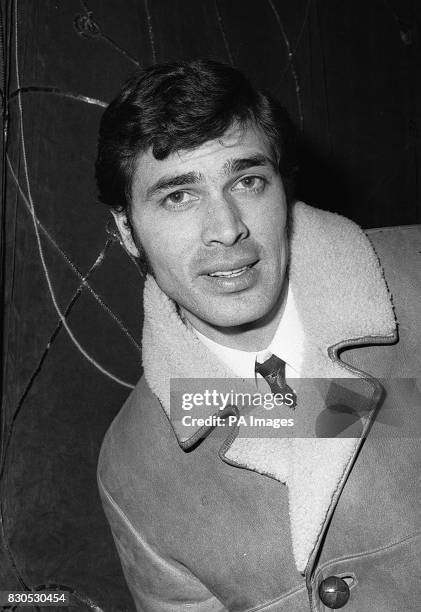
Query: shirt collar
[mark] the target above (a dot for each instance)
(288, 341)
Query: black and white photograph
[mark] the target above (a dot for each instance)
(211, 305)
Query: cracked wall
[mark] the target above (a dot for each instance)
(348, 74)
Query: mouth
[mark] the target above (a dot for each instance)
(233, 278)
(230, 273)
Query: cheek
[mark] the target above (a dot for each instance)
(270, 227)
(271, 210)
(166, 246)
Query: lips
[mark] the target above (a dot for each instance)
(227, 278)
(230, 269)
(229, 273)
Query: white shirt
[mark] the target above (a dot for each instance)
(287, 343)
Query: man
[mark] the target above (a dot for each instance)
(214, 515)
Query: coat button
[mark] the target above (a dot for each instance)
(334, 592)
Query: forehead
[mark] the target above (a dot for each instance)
(208, 158)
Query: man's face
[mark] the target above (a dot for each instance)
(212, 221)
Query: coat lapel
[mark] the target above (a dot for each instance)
(342, 300)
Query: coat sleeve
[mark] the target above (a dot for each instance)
(156, 584)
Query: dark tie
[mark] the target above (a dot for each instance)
(273, 371)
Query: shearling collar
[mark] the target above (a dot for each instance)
(342, 299)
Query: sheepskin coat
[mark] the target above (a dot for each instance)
(209, 523)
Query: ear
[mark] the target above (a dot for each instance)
(126, 233)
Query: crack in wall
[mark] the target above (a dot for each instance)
(291, 65)
(223, 33)
(299, 37)
(150, 30)
(3, 517)
(78, 273)
(98, 261)
(57, 92)
(51, 291)
(87, 27)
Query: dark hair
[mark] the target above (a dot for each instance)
(170, 107)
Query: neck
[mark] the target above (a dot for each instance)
(253, 336)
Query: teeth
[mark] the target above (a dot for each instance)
(230, 272)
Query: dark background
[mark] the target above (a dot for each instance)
(349, 73)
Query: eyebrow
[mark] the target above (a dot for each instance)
(231, 166)
(169, 182)
(234, 165)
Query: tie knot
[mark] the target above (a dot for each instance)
(273, 371)
(271, 367)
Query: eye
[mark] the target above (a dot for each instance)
(255, 184)
(178, 199)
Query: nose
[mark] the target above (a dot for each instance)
(223, 223)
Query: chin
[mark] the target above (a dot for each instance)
(238, 316)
